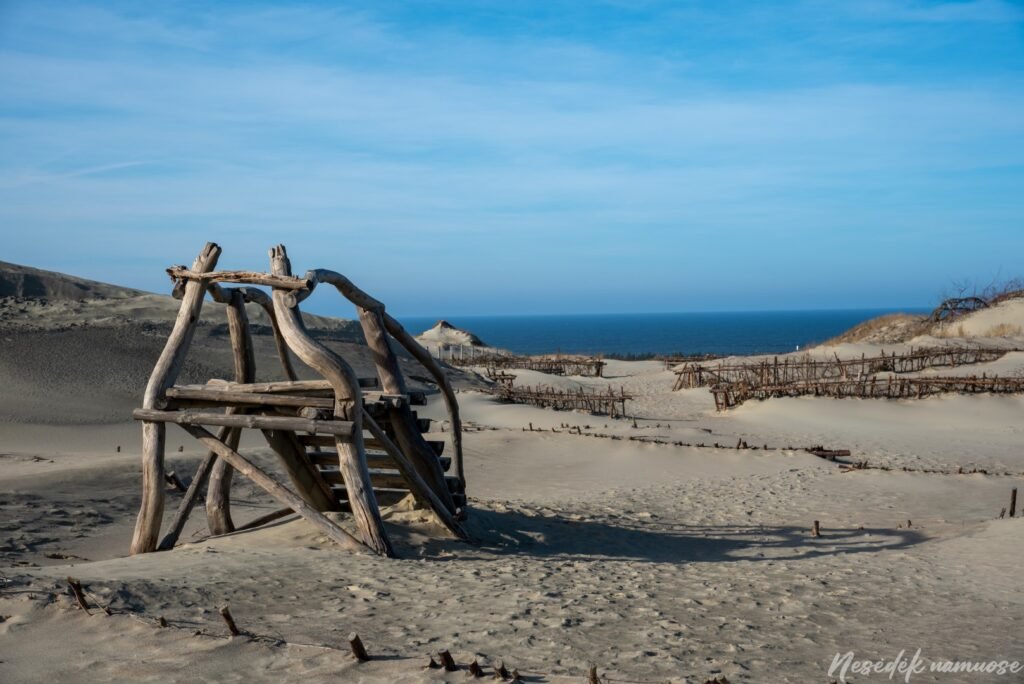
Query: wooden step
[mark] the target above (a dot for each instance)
(384, 478)
(374, 459)
(371, 443)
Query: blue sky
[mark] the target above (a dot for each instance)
(548, 157)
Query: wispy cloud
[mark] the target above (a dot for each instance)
(525, 138)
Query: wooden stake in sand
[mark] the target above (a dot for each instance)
(165, 372)
(358, 650)
(229, 621)
(815, 530)
(76, 589)
(447, 662)
(592, 677)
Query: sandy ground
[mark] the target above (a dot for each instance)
(656, 562)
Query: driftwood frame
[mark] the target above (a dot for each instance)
(291, 413)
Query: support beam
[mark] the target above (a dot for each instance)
(407, 433)
(165, 372)
(343, 429)
(246, 277)
(348, 404)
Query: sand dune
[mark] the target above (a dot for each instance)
(654, 561)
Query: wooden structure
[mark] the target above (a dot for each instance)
(728, 395)
(345, 443)
(805, 369)
(501, 377)
(552, 365)
(607, 403)
(673, 361)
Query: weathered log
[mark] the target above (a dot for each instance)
(218, 491)
(351, 454)
(182, 395)
(165, 372)
(245, 277)
(313, 387)
(278, 491)
(342, 429)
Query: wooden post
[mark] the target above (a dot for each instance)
(229, 621)
(1013, 502)
(409, 438)
(165, 372)
(348, 405)
(357, 648)
(218, 493)
(447, 662)
(816, 529)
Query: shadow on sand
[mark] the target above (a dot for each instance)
(655, 541)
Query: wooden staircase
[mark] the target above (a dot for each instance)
(344, 442)
(389, 486)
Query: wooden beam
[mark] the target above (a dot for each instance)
(348, 404)
(247, 277)
(340, 428)
(165, 372)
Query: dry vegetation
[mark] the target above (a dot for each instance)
(890, 328)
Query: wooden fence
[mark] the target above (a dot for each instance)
(560, 365)
(610, 403)
(730, 394)
(805, 369)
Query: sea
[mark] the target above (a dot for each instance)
(627, 335)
